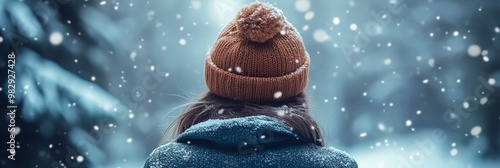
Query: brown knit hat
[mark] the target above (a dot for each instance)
(258, 57)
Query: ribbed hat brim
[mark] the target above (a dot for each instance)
(255, 89)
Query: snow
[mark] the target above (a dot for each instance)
(491, 81)
(320, 36)
(408, 123)
(196, 4)
(133, 55)
(238, 70)
(304, 28)
(309, 15)
(465, 105)
(486, 59)
(302, 5)
(455, 33)
(363, 134)
(56, 38)
(129, 140)
(277, 94)
(353, 27)
(475, 131)
(336, 20)
(283, 31)
(483, 100)
(79, 158)
(419, 58)
(1, 39)
(387, 61)
(431, 62)
(182, 41)
(453, 152)
(484, 52)
(221, 111)
(281, 112)
(419, 112)
(352, 3)
(474, 50)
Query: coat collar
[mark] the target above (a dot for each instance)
(242, 132)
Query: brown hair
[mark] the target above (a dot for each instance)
(293, 112)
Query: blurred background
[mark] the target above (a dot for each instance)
(395, 83)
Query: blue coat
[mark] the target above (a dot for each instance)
(254, 141)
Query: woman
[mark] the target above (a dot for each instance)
(255, 113)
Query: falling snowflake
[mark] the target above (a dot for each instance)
(278, 94)
(474, 50)
(336, 20)
(56, 38)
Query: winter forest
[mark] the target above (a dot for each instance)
(395, 83)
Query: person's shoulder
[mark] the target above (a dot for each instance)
(167, 155)
(345, 160)
(328, 157)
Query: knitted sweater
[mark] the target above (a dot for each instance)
(254, 141)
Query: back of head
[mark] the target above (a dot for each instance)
(257, 66)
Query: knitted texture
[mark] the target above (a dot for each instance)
(253, 142)
(258, 57)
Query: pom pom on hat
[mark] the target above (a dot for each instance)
(259, 22)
